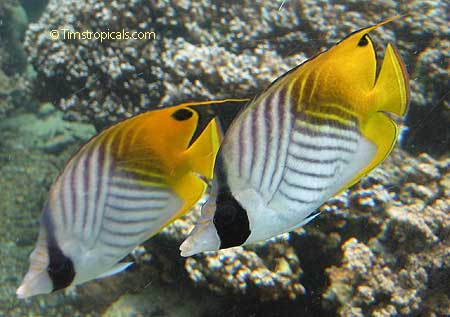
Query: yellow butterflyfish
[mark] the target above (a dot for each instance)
(314, 132)
(122, 187)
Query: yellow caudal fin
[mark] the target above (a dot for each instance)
(202, 154)
(382, 131)
(391, 91)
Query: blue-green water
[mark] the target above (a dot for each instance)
(380, 248)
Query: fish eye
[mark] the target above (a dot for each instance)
(182, 114)
(363, 41)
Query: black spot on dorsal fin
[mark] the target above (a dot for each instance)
(182, 114)
(364, 40)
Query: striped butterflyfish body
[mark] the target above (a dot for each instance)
(119, 189)
(311, 134)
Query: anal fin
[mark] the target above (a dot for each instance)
(119, 267)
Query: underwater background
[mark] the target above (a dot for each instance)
(382, 248)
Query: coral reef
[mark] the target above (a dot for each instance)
(13, 22)
(211, 49)
(192, 57)
(366, 284)
(426, 32)
(398, 261)
(268, 271)
(379, 249)
(382, 248)
(239, 271)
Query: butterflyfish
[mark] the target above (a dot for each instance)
(314, 132)
(122, 187)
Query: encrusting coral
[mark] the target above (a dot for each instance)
(240, 271)
(191, 56)
(214, 49)
(403, 267)
(13, 84)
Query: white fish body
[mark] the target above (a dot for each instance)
(314, 132)
(119, 189)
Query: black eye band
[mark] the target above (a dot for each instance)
(182, 114)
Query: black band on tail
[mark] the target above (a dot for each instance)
(60, 268)
(231, 221)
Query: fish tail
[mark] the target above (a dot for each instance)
(391, 91)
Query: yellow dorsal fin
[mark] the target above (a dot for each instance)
(391, 91)
(381, 131)
(202, 154)
(201, 157)
(375, 26)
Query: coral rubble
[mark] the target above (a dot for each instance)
(13, 84)
(192, 57)
(403, 267)
(239, 271)
(212, 49)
